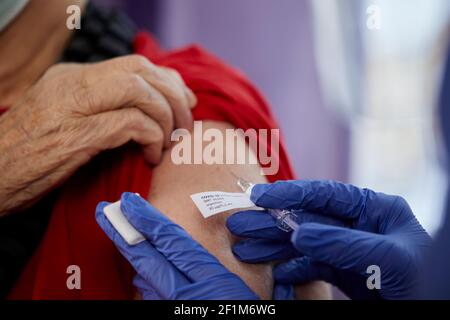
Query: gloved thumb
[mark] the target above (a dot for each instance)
(342, 248)
(145, 289)
(278, 195)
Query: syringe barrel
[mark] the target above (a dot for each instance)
(284, 219)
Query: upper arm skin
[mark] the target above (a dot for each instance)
(170, 192)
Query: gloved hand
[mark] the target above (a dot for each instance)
(343, 230)
(170, 264)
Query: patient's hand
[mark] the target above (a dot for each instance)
(170, 192)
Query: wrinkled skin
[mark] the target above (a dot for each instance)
(75, 111)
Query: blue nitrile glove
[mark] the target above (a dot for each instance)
(343, 230)
(170, 264)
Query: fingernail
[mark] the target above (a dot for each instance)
(285, 267)
(191, 98)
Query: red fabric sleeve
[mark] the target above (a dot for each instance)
(73, 237)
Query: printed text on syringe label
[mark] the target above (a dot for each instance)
(213, 202)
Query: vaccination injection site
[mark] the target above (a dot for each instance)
(246, 157)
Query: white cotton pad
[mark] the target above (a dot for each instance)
(214, 202)
(121, 224)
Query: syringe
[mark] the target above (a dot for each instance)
(284, 218)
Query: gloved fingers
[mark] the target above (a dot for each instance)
(301, 270)
(283, 292)
(145, 259)
(263, 250)
(255, 224)
(172, 241)
(260, 224)
(147, 292)
(331, 198)
(303, 216)
(304, 269)
(342, 248)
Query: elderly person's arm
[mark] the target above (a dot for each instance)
(76, 111)
(61, 116)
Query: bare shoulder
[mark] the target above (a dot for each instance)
(172, 185)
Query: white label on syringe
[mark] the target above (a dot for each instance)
(213, 202)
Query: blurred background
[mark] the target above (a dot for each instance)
(353, 83)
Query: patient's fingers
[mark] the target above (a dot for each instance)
(302, 270)
(148, 262)
(172, 241)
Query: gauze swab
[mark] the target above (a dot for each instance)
(118, 220)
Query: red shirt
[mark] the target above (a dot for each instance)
(73, 236)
